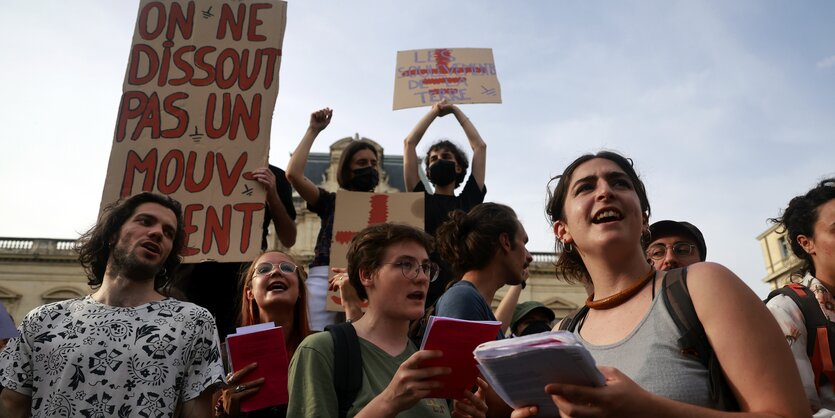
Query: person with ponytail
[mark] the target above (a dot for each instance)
(486, 249)
(357, 171)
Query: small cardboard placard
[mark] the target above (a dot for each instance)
(460, 75)
(357, 210)
(195, 116)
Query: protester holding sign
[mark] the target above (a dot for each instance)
(389, 265)
(356, 171)
(273, 291)
(446, 167)
(600, 212)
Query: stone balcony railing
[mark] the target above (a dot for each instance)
(43, 249)
(50, 249)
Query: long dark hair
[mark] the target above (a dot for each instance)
(570, 266)
(469, 240)
(95, 246)
(800, 217)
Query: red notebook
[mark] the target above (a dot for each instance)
(457, 338)
(264, 344)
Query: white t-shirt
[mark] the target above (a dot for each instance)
(81, 358)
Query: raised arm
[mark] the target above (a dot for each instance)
(479, 166)
(504, 312)
(285, 228)
(308, 190)
(410, 158)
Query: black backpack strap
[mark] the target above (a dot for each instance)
(813, 316)
(693, 340)
(347, 365)
(569, 323)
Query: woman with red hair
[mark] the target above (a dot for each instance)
(273, 290)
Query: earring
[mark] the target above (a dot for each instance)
(567, 247)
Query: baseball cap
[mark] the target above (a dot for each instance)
(668, 227)
(525, 308)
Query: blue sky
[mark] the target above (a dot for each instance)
(726, 107)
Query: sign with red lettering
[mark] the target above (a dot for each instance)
(195, 115)
(459, 75)
(357, 210)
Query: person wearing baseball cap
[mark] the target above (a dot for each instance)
(675, 244)
(531, 317)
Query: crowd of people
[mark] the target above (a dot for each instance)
(673, 334)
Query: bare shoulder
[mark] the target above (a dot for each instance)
(711, 278)
(717, 292)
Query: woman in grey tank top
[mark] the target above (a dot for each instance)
(600, 214)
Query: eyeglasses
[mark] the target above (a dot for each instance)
(411, 269)
(264, 269)
(659, 251)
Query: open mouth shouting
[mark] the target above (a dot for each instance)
(151, 247)
(277, 286)
(606, 215)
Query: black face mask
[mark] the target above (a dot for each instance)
(442, 172)
(536, 327)
(364, 179)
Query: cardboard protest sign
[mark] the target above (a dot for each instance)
(195, 114)
(356, 210)
(460, 75)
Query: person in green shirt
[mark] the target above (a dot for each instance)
(388, 264)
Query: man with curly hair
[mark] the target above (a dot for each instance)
(125, 350)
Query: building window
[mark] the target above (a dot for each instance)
(784, 247)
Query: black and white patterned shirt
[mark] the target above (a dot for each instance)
(81, 358)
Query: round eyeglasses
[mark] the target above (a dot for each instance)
(659, 251)
(411, 269)
(263, 269)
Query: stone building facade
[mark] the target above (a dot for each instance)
(780, 261)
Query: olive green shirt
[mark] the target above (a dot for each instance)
(312, 393)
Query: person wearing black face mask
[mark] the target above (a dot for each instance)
(531, 317)
(446, 168)
(364, 179)
(356, 171)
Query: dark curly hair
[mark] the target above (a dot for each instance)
(800, 217)
(343, 174)
(460, 156)
(469, 240)
(369, 246)
(570, 266)
(95, 246)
